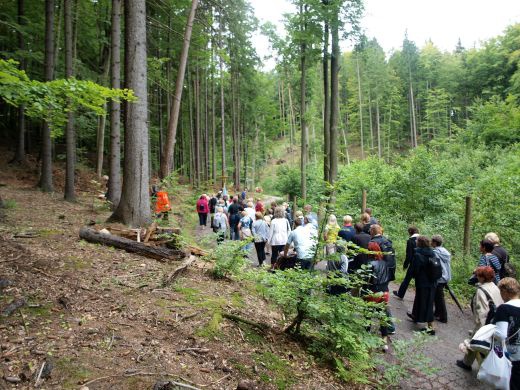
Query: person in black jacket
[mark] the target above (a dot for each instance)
(361, 239)
(424, 287)
(499, 251)
(411, 244)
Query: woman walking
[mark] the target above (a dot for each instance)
(261, 234)
(487, 294)
(278, 233)
(424, 286)
(221, 224)
(244, 227)
(203, 210)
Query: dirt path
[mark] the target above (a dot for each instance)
(443, 350)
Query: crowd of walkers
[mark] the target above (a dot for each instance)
(277, 233)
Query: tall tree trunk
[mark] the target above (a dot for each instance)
(19, 156)
(222, 123)
(134, 206)
(360, 100)
(114, 174)
(378, 130)
(413, 123)
(334, 101)
(70, 164)
(169, 145)
(371, 121)
(213, 121)
(100, 144)
(45, 182)
(303, 122)
(326, 105)
(206, 130)
(197, 138)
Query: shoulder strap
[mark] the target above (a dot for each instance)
(490, 300)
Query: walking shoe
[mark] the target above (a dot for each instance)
(463, 365)
(396, 294)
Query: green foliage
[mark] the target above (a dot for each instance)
(408, 357)
(52, 100)
(9, 204)
(495, 122)
(229, 258)
(335, 325)
(428, 188)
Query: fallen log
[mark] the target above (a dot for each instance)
(157, 253)
(177, 271)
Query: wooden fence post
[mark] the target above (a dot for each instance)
(467, 226)
(363, 201)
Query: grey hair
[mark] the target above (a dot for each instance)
(279, 212)
(220, 209)
(437, 238)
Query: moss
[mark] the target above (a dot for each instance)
(212, 328)
(191, 295)
(237, 300)
(72, 371)
(77, 263)
(280, 371)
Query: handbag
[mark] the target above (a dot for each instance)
(496, 368)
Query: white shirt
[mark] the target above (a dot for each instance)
(279, 231)
(304, 242)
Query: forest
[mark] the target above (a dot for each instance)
(174, 92)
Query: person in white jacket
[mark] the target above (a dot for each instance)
(486, 291)
(278, 233)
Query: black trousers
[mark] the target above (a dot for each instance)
(440, 304)
(275, 250)
(406, 281)
(514, 383)
(260, 252)
(203, 219)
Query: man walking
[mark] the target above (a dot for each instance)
(411, 244)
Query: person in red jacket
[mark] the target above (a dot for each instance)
(203, 210)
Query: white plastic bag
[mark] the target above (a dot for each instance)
(495, 370)
(482, 339)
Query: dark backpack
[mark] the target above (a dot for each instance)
(492, 307)
(508, 270)
(434, 269)
(201, 207)
(388, 254)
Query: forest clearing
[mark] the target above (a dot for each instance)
(181, 208)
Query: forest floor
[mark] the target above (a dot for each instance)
(100, 317)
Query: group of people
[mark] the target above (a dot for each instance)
(272, 230)
(275, 230)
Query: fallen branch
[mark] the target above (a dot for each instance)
(13, 306)
(259, 325)
(177, 271)
(131, 373)
(194, 250)
(149, 232)
(157, 253)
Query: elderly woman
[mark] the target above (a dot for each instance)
(499, 251)
(260, 233)
(487, 293)
(507, 320)
(221, 224)
(278, 233)
(424, 287)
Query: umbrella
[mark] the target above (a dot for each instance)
(452, 294)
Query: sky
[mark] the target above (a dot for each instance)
(442, 21)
